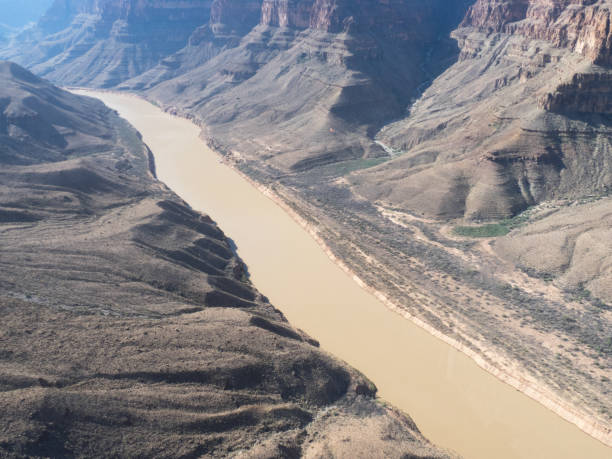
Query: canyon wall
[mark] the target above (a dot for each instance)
(101, 43)
(583, 26)
(526, 106)
(330, 73)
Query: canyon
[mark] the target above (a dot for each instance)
(129, 323)
(400, 130)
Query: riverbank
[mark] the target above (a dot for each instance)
(388, 337)
(522, 383)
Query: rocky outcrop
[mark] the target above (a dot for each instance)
(532, 126)
(287, 13)
(585, 93)
(582, 26)
(404, 18)
(230, 21)
(494, 15)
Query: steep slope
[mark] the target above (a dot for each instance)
(523, 117)
(101, 43)
(230, 21)
(129, 326)
(328, 73)
(314, 79)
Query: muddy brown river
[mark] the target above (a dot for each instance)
(455, 403)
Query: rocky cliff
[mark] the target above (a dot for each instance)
(129, 325)
(101, 43)
(328, 74)
(347, 66)
(582, 26)
(527, 108)
(229, 22)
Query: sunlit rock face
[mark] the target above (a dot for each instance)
(580, 25)
(522, 117)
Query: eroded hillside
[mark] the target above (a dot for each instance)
(129, 325)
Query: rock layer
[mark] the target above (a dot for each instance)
(582, 26)
(526, 108)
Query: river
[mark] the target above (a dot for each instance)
(455, 403)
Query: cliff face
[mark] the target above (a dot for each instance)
(402, 18)
(582, 26)
(584, 93)
(102, 42)
(330, 72)
(229, 22)
(522, 117)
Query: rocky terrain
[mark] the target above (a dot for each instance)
(130, 327)
(101, 43)
(523, 117)
(326, 75)
(467, 143)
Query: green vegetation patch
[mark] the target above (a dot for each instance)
(347, 167)
(491, 230)
(498, 229)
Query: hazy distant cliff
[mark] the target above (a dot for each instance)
(101, 42)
